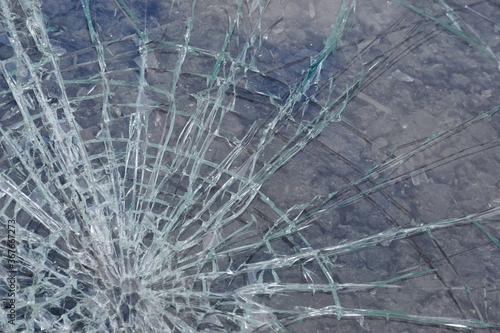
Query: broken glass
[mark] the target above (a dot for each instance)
(249, 165)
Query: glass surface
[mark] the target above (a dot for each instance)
(249, 166)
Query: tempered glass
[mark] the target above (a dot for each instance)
(250, 165)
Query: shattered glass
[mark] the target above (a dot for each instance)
(251, 165)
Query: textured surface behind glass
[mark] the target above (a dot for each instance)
(250, 165)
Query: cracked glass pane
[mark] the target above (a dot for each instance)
(249, 166)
